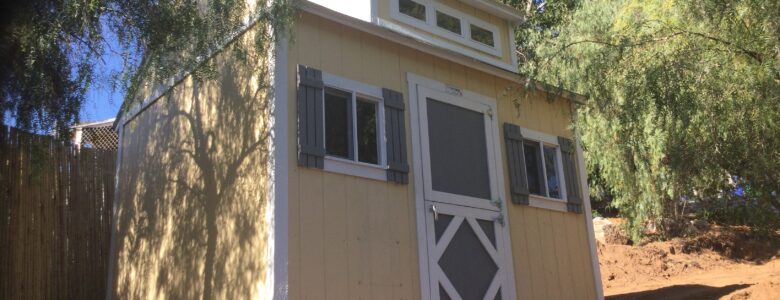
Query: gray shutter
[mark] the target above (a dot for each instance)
(398, 168)
(311, 142)
(515, 158)
(569, 152)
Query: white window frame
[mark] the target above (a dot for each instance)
(353, 166)
(542, 201)
(464, 38)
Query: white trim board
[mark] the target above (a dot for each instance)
(277, 193)
(114, 227)
(585, 191)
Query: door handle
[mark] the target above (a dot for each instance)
(435, 212)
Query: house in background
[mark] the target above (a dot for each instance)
(391, 161)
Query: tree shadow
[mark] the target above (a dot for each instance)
(680, 292)
(191, 215)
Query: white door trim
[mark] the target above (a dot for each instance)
(421, 211)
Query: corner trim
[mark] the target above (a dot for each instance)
(114, 227)
(594, 260)
(278, 166)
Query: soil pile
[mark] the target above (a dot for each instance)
(721, 263)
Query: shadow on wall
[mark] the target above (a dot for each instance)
(680, 292)
(191, 215)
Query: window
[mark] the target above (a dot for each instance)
(447, 22)
(338, 132)
(412, 9)
(482, 35)
(365, 113)
(542, 169)
(351, 126)
(354, 128)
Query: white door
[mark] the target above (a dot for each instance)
(461, 224)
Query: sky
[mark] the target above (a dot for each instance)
(101, 102)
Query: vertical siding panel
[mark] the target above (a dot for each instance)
(562, 245)
(370, 57)
(520, 253)
(330, 47)
(536, 253)
(376, 241)
(312, 251)
(293, 199)
(311, 187)
(395, 204)
(584, 251)
(407, 234)
(334, 189)
(350, 54)
(576, 258)
(335, 230)
(359, 260)
(549, 258)
(379, 241)
(442, 70)
(459, 78)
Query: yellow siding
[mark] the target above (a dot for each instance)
(355, 238)
(383, 11)
(192, 175)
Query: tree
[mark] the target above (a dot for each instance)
(684, 97)
(48, 48)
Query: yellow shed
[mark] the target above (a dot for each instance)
(394, 159)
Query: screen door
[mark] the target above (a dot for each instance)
(465, 232)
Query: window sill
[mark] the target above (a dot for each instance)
(353, 168)
(547, 203)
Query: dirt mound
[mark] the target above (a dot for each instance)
(668, 264)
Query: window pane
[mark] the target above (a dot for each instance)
(366, 131)
(482, 35)
(533, 168)
(551, 166)
(337, 123)
(448, 22)
(412, 9)
(458, 151)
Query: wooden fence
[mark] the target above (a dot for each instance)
(55, 207)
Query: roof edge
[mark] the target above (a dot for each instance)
(499, 9)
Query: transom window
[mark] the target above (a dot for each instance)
(543, 169)
(449, 23)
(482, 35)
(412, 9)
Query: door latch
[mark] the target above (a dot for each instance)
(498, 203)
(500, 219)
(489, 113)
(435, 212)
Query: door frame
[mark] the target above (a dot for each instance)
(421, 210)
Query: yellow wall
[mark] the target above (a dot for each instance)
(192, 188)
(355, 238)
(383, 10)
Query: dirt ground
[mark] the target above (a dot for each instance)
(717, 264)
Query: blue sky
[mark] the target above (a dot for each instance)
(101, 102)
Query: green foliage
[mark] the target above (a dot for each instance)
(684, 96)
(48, 49)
